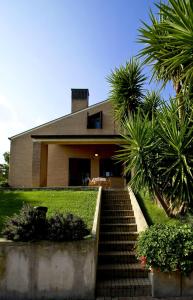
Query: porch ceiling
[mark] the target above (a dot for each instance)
(79, 139)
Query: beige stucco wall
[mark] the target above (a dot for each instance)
(58, 160)
(22, 146)
(20, 172)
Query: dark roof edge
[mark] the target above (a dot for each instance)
(77, 136)
(55, 120)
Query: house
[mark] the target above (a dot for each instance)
(69, 150)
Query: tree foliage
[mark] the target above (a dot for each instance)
(160, 153)
(151, 103)
(168, 46)
(138, 151)
(4, 168)
(168, 41)
(126, 92)
(167, 248)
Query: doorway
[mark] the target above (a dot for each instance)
(109, 167)
(79, 171)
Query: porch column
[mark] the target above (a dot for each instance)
(39, 164)
(95, 167)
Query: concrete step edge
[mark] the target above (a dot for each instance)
(117, 242)
(124, 282)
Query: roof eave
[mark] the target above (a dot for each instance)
(55, 120)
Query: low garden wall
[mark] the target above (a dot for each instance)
(50, 270)
(171, 284)
(139, 217)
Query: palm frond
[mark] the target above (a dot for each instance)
(126, 88)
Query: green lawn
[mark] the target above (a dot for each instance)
(81, 203)
(153, 213)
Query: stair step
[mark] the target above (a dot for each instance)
(118, 219)
(116, 245)
(118, 213)
(115, 202)
(116, 197)
(116, 257)
(118, 227)
(121, 271)
(134, 287)
(117, 206)
(118, 236)
(115, 192)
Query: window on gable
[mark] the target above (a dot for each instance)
(94, 121)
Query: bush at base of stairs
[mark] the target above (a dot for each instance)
(31, 225)
(167, 248)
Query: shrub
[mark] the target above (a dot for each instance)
(4, 184)
(31, 224)
(77, 227)
(167, 248)
(28, 225)
(66, 228)
(57, 227)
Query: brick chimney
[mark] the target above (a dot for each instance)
(79, 99)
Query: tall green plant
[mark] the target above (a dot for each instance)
(139, 151)
(151, 103)
(168, 45)
(160, 153)
(126, 84)
(176, 157)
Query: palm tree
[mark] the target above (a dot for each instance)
(126, 91)
(169, 46)
(138, 151)
(151, 103)
(160, 153)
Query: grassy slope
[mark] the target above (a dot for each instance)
(81, 203)
(153, 213)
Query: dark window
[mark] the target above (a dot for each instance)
(109, 167)
(94, 121)
(79, 171)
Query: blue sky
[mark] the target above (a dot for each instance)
(51, 46)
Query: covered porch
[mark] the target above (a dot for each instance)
(75, 160)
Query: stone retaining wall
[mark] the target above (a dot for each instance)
(48, 270)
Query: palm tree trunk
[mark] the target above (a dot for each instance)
(163, 203)
(181, 108)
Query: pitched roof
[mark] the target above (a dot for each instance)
(56, 120)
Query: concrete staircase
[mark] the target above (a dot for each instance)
(119, 274)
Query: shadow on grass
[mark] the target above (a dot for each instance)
(9, 204)
(80, 203)
(144, 210)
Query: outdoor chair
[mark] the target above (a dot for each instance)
(100, 181)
